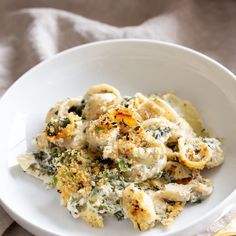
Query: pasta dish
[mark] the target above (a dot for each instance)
(135, 157)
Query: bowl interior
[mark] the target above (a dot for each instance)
(130, 67)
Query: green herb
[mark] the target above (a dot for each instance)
(54, 181)
(122, 166)
(161, 215)
(112, 176)
(161, 132)
(73, 176)
(95, 190)
(103, 208)
(99, 128)
(55, 152)
(45, 162)
(167, 129)
(40, 156)
(63, 122)
(53, 128)
(119, 215)
(82, 207)
(209, 142)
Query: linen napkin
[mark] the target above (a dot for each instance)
(32, 31)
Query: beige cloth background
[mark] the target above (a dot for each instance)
(34, 30)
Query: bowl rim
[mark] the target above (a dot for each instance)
(29, 225)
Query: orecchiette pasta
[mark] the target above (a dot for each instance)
(137, 158)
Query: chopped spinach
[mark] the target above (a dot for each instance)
(161, 131)
(82, 207)
(119, 215)
(63, 122)
(40, 156)
(123, 166)
(54, 127)
(44, 160)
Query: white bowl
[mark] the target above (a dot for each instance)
(131, 66)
